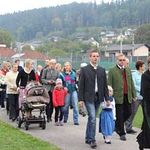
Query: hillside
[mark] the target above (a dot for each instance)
(66, 19)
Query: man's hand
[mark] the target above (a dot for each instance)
(81, 103)
(134, 99)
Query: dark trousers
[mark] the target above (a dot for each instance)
(7, 104)
(58, 113)
(123, 112)
(2, 98)
(13, 106)
(49, 107)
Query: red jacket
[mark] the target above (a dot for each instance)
(59, 97)
(37, 78)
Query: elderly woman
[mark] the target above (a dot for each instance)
(144, 137)
(3, 71)
(68, 77)
(24, 76)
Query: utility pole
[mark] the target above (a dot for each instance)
(121, 40)
(132, 54)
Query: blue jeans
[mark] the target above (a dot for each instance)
(71, 98)
(92, 108)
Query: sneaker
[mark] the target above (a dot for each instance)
(131, 131)
(123, 138)
(93, 144)
(56, 123)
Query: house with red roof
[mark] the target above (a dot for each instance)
(6, 53)
(30, 54)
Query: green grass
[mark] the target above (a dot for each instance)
(13, 139)
(138, 118)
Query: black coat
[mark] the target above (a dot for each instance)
(87, 84)
(144, 137)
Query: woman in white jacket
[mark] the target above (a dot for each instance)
(12, 92)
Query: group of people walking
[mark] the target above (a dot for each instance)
(60, 84)
(120, 95)
(120, 92)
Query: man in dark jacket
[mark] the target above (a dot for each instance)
(92, 91)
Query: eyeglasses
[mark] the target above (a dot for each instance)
(121, 59)
(95, 56)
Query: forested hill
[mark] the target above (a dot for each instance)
(27, 25)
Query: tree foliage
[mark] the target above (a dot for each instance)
(63, 47)
(67, 18)
(142, 34)
(5, 38)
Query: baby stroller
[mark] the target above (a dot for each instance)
(33, 105)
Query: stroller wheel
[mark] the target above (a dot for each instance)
(19, 121)
(26, 125)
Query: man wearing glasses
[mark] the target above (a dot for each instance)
(120, 79)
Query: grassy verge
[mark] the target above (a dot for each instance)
(138, 118)
(13, 139)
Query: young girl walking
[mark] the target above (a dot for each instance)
(59, 94)
(107, 118)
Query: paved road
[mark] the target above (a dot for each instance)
(71, 137)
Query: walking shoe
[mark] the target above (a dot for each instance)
(131, 131)
(60, 123)
(56, 123)
(107, 141)
(48, 120)
(65, 121)
(93, 144)
(76, 123)
(123, 138)
(13, 119)
(87, 142)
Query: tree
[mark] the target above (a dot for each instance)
(142, 34)
(5, 38)
(56, 22)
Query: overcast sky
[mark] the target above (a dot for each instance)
(10, 6)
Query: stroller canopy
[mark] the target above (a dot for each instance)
(35, 92)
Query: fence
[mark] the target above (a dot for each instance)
(77, 59)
